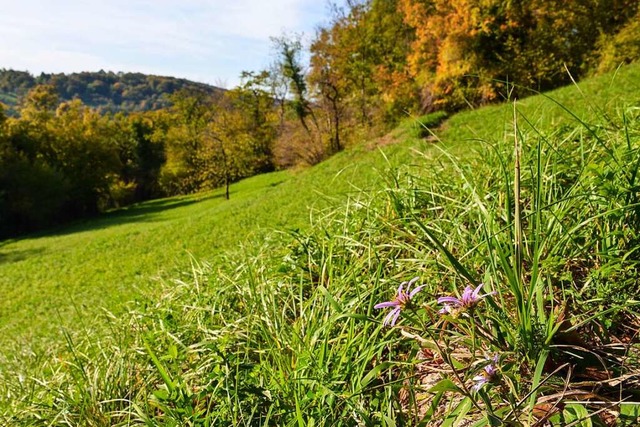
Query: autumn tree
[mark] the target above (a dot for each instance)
(33, 191)
(213, 142)
(141, 157)
(82, 149)
(622, 47)
(465, 51)
(358, 64)
(253, 98)
(56, 163)
(299, 138)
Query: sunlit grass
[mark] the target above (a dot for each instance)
(66, 276)
(262, 310)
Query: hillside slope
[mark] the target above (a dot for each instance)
(265, 310)
(109, 260)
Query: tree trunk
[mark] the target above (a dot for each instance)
(226, 184)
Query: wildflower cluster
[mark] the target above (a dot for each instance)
(452, 306)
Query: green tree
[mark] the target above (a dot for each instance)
(258, 115)
(289, 50)
(183, 134)
(83, 150)
(32, 192)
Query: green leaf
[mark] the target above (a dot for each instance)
(161, 394)
(433, 407)
(445, 385)
(334, 304)
(629, 414)
(374, 373)
(161, 369)
(389, 422)
(578, 414)
(173, 352)
(458, 414)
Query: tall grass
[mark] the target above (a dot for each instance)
(288, 334)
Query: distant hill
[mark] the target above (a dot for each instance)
(106, 91)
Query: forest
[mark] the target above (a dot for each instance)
(104, 91)
(77, 145)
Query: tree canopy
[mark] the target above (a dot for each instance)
(104, 91)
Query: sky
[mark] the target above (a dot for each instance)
(209, 41)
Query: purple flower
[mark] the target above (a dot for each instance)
(469, 299)
(487, 376)
(400, 301)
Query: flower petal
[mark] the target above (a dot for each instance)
(488, 294)
(412, 281)
(386, 304)
(476, 291)
(416, 290)
(389, 319)
(491, 370)
(445, 310)
(395, 316)
(449, 300)
(480, 381)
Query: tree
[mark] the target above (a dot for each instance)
(358, 66)
(290, 64)
(622, 47)
(83, 150)
(253, 100)
(466, 50)
(182, 134)
(32, 192)
(330, 85)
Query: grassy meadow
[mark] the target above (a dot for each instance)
(71, 273)
(260, 310)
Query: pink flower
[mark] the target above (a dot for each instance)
(469, 298)
(402, 300)
(487, 376)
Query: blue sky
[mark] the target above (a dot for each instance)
(210, 41)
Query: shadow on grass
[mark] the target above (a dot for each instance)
(142, 212)
(18, 255)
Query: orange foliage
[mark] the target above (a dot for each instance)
(465, 51)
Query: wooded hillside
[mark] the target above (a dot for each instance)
(105, 91)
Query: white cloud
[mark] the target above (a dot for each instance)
(59, 60)
(68, 35)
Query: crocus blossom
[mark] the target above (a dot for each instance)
(468, 299)
(402, 299)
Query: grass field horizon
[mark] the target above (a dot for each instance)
(275, 288)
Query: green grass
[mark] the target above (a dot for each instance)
(260, 310)
(65, 277)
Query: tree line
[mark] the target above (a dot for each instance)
(62, 160)
(105, 91)
(378, 61)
